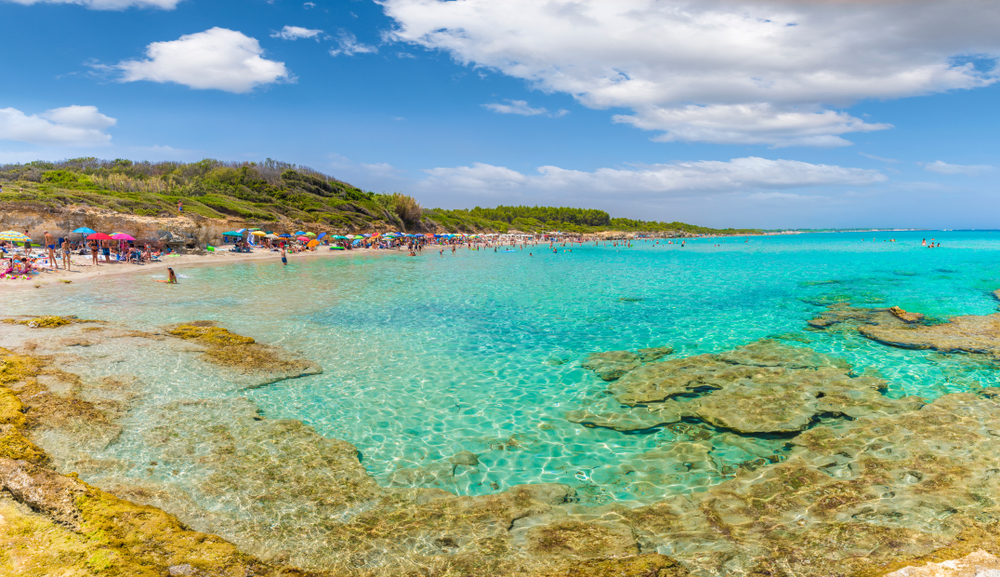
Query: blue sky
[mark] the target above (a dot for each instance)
(726, 113)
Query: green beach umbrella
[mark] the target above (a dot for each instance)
(357, 236)
(310, 234)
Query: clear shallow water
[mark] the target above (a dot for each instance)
(480, 351)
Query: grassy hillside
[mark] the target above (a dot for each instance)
(273, 191)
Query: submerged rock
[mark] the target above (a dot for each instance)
(634, 420)
(229, 349)
(611, 365)
(905, 316)
(966, 334)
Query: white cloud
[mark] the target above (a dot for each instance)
(296, 32)
(309, 5)
(74, 126)
(107, 4)
(217, 58)
(945, 168)
(726, 71)
(879, 158)
(348, 45)
(521, 107)
(748, 124)
(698, 178)
(515, 107)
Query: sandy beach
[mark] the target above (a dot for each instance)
(83, 268)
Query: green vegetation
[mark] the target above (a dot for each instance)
(273, 191)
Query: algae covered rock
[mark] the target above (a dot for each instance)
(634, 420)
(243, 353)
(759, 408)
(644, 565)
(575, 539)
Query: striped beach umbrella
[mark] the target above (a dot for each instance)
(12, 236)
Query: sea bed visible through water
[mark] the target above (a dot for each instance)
(470, 373)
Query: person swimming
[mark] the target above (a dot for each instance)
(171, 276)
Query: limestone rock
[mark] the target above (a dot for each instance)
(905, 316)
(465, 458)
(654, 353)
(976, 564)
(43, 490)
(759, 409)
(611, 365)
(578, 540)
(634, 420)
(967, 334)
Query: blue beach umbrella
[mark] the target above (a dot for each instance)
(286, 235)
(85, 230)
(321, 235)
(300, 233)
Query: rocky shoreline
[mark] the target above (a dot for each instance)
(847, 481)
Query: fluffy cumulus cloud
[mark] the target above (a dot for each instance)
(296, 32)
(218, 58)
(725, 71)
(73, 126)
(964, 169)
(348, 45)
(107, 4)
(679, 179)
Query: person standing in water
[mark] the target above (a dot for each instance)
(284, 258)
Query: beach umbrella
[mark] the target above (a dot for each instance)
(259, 233)
(303, 238)
(310, 234)
(285, 235)
(84, 230)
(321, 235)
(121, 236)
(300, 233)
(312, 243)
(358, 236)
(99, 236)
(12, 236)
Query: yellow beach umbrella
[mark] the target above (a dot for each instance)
(259, 233)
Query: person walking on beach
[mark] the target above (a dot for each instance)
(65, 253)
(50, 245)
(27, 243)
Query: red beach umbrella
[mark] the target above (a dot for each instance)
(99, 236)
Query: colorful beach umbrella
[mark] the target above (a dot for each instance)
(122, 236)
(312, 243)
(259, 233)
(12, 236)
(310, 234)
(303, 238)
(285, 235)
(84, 230)
(99, 236)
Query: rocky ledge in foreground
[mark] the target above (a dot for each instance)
(855, 497)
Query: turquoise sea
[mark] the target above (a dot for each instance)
(480, 351)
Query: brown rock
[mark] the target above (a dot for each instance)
(905, 316)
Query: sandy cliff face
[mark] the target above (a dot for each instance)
(188, 230)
